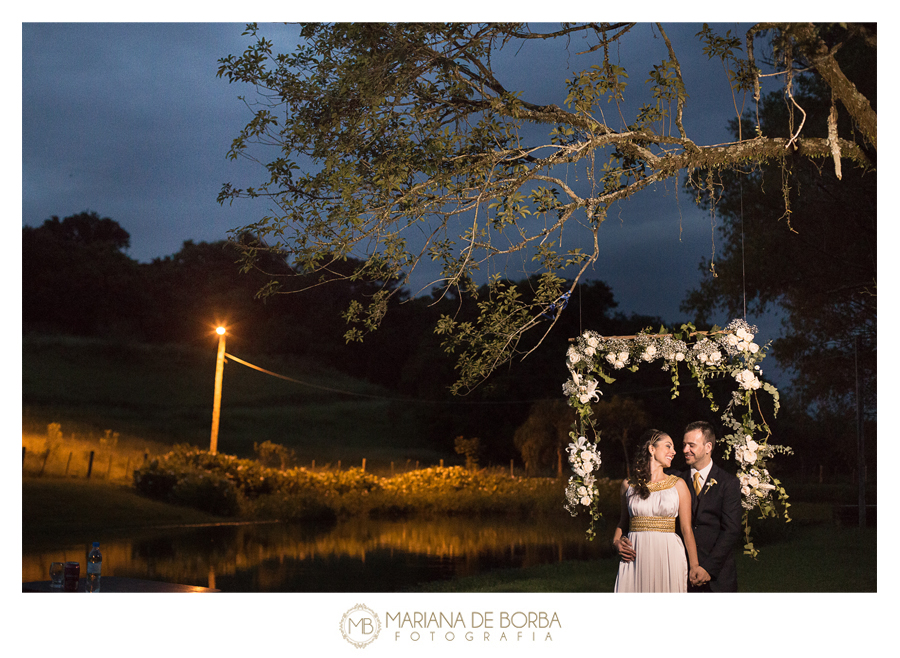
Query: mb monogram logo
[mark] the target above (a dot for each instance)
(360, 626)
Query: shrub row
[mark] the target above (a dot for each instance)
(228, 486)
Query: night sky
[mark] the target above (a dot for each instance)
(129, 120)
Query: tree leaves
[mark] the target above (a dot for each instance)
(396, 143)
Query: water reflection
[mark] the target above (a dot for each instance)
(352, 556)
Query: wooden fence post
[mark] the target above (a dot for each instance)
(364, 465)
(68, 461)
(512, 472)
(90, 465)
(46, 454)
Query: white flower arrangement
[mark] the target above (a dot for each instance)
(583, 388)
(747, 380)
(581, 490)
(731, 351)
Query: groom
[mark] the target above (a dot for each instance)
(715, 510)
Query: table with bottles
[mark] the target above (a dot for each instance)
(63, 578)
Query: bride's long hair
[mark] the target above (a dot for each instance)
(640, 474)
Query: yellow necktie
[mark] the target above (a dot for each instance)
(697, 483)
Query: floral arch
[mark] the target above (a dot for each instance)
(729, 352)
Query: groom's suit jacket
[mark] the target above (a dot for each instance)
(716, 520)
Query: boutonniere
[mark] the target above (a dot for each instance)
(709, 484)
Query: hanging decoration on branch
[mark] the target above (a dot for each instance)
(730, 353)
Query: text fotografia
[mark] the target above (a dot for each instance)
(479, 626)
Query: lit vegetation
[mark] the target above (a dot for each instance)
(229, 486)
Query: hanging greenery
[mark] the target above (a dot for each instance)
(729, 353)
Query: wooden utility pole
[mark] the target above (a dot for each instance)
(217, 397)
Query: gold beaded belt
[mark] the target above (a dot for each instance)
(652, 524)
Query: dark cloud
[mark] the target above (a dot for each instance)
(130, 120)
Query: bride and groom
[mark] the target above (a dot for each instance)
(704, 501)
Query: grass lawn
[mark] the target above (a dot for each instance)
(808, 558)
(164, 394)
(54, 510)
(814, 558)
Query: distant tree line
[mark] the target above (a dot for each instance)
(79, 280)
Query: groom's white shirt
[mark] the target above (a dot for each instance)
(704, 473)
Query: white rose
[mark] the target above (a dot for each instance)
(679, 356)
(732, 340)
(589, 351)
(611, 357)
(702, 357)
(574, 356)
(715, 356)
(623, 356)
(754, 348)
(746, 379)
(751, 444)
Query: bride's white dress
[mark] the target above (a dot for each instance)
(660, 564)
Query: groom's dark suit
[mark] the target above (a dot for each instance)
(716, 520)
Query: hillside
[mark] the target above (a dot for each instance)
(163, 394)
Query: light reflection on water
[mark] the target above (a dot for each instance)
(353, 556)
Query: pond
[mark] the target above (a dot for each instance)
(359, 555)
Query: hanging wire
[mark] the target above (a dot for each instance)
(580, 324)
(743, 261)
(231, 357)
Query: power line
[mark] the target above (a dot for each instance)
(378, 397)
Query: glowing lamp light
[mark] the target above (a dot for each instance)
(217, 396)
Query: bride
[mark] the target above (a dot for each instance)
(653, 555)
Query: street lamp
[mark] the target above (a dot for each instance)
(217, 397)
